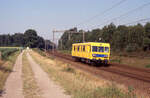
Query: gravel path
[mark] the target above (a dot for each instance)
(48, 87)
(13, 85)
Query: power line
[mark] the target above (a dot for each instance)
(125, 14)
(113, 6)
(137, 21)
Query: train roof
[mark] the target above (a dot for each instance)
(91, 43)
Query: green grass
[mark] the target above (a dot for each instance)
(147, 66)
(6, 68)
(10, 47)
(115, 60)
(5, 52)
(68, 68)
(65, 51)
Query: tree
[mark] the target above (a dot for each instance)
(146, 40)
(122, 38)
(29, 38)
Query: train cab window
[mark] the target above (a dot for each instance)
(101, 49)
(94, 48)
(106, 49)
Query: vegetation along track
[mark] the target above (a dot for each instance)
(137, 77)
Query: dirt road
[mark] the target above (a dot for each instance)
(47, 86)
(13, 85)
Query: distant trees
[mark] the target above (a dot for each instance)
(29, 38)
(121, 38)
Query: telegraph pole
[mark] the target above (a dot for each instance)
(69, 36)
(53, 41)
(45, 46)
(83, 36)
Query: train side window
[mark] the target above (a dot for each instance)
(89, 48)
(78, 48)
(74, 48)
(84, 48)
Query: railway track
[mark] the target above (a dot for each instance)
(141, 74)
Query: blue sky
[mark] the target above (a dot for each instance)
(46, 15)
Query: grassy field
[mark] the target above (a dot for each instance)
(30, 87)
(132, 61)
(10, 47)
(6, 68)
(6, 51)
(80, 84)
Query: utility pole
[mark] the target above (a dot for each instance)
(60, 43)
(69, 37)
(53, 41)
(56, 31)
(45, 46)
(83, 36)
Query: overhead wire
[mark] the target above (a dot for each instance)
(125, 14)
(93, 17)
(137, 21)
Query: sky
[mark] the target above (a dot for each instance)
(44, 16)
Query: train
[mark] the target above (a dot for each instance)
(91, 52)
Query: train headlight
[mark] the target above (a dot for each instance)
(94, 55)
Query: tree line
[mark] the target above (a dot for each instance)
(27, 39)
(121, 38)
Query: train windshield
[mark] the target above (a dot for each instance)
(94, 48)
(106, 49)
(100, 49)
(97, 49)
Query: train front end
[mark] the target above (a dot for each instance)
(100, 53)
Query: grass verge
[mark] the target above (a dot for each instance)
(147, 66)
(30, 87)
(78, 83)
(6, 68)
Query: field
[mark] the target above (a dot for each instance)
(6, 51)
